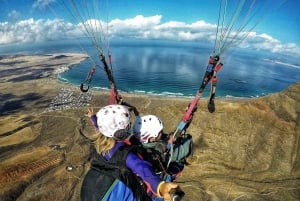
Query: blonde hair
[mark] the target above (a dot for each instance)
(103, 144)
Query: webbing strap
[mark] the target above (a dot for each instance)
(112, 95)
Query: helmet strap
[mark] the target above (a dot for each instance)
(121, 134)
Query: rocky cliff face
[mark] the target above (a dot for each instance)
(246, 150)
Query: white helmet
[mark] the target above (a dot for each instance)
(146, 127)
(114, 121)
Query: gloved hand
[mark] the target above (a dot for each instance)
(172, 139)
(165, 189)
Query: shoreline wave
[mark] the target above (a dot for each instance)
(282, 63)
(152, 93)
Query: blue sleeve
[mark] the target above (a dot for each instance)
(94, 121)
(144, 170)
(119, 191)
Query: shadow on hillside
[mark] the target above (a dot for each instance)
(12, 104)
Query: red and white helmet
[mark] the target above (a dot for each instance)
(113, 121)
(147, 127)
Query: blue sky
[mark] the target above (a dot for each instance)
(28, 21)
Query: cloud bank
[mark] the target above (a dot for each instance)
(34, 31)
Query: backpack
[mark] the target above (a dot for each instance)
(154, 153)
(104, 176)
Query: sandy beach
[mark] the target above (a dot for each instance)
(249, 149)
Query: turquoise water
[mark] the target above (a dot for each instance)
(175, 69)
(172, 70)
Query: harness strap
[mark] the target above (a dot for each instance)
(214, 80)
(88, 80)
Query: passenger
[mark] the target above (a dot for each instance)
(149, 130)
(117, 172)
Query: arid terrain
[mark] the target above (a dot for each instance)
(247, 150)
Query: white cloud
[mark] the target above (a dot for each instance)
(138, 27)
(42, 4)
(13, 15)
(30, 31)
(266, 42)
(152, 27)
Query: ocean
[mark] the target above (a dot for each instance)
(177, 69)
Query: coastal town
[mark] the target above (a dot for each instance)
(67, 99)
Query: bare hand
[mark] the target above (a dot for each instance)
(90, 112)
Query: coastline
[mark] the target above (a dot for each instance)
(29, 81)
(37, 75)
